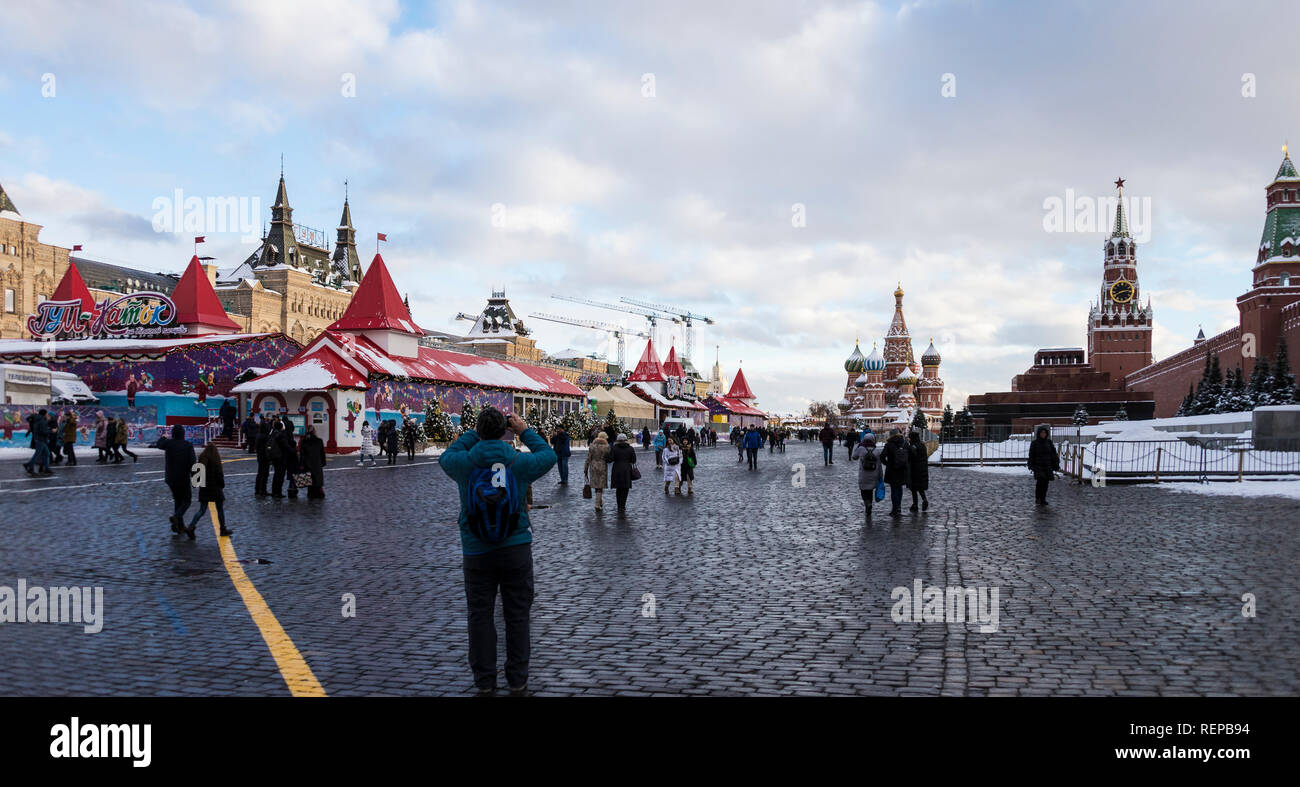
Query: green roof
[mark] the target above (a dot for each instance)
(1282, 222)
(1287, 170)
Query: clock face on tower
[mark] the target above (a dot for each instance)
(1121, 291)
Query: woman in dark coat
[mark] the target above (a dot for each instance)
(622, 458)
(1043, 462)
(390, 441)
(313, 461)
(287, 463)
(211, 491)
(262, 445)
(918, 468)
(894, 457)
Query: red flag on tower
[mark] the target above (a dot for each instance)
(382, 236)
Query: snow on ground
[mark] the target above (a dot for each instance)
(83, 451)
(1020, 470)
(1289, 489)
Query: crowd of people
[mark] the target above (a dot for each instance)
(53, 440)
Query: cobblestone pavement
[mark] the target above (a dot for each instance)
(760, 587)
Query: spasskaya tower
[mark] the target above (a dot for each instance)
(1119, 326)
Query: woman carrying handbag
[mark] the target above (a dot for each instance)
(623, 470)
(672, 457)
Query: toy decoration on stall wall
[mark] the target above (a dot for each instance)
(354, 409)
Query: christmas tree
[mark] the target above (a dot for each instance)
(437, 424)
(468, 417)
(920, 421)
(1282, 383)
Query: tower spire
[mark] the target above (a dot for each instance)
(1121, 220)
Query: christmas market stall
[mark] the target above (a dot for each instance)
(666, 386)
(736, 408)
(369, 366)
(153, 360)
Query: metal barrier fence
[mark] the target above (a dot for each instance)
(1226, 458)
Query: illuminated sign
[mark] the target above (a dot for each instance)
(137, 314)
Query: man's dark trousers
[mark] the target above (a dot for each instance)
(511, 570)
(752, 453)
(827, 450)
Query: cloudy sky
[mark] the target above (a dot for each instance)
(668, 150)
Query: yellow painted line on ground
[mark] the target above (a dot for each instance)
(293, 667)
(241, 459)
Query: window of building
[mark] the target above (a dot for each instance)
(9, 300)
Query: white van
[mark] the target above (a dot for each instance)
(23, 384)
(671, 424)
(67, 388)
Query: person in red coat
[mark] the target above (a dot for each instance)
(131, 388)
(202, 390)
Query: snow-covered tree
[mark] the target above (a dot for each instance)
(1282, 382)
(1080, 416)
(1186, 407)
(946, 426)
(965, 423)
(437, 424)
(1260, 390)
(919, 420)
(1122, 413)
(468, 417)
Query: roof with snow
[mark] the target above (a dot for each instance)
(376, 305)
(196, 301)
(740, 387)
(736, 407)
(363, 358)
(317, 371)
(648, 369)
(651, 395)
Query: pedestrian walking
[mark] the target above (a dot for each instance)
(262, 447)
(1044, 462)
(110, 442)
(313, 461)
(870, 471)
(178, 458)
(284, 460)
(622, 470)
(827, 437)
(367, 444)
(211, 491)
(918, 469)
(69, 433)
(753, 442)
(390, 441)
(688, 468)
(560, 444)
(410, 436)
(851, 441)
(504, 566)
(38, 427)
(101, 436)
(738, 440)
(596, 467)
(121, 437)
(895, 459)
(660, 440)
(672, 465)
(227, 414)
(248, 431)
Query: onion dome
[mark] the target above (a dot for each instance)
(906, 377)
(861, 381)
(898, 293)
(931, 356)
(875, 362)
(855, 361)
(844, 405)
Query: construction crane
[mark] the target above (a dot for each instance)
(652, 317)
(617, 331)
(678, 315)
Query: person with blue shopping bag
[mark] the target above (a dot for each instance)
(871, 479)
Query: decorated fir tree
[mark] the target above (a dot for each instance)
(437, 424)
(468, 417)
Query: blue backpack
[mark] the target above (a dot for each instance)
(493, 509)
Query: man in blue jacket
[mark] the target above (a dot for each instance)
(507, 565)
(753, 442)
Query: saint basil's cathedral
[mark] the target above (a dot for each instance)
(885, 391)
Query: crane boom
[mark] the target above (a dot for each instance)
(678, 315)
(618, 331)
(652, 317)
